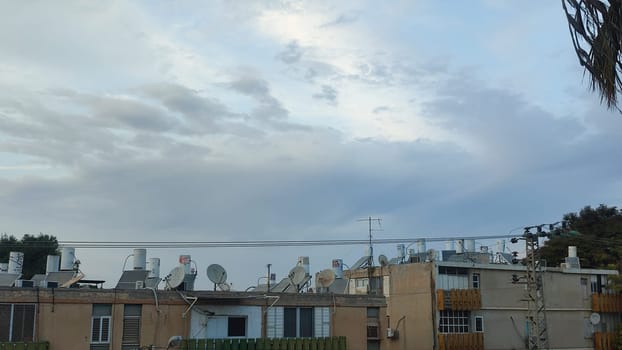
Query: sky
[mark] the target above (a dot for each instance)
(290, 120)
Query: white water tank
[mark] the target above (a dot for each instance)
(459, 246)
(16, 262)
(572, 251)
(421, 246)
(469, 245)
(449, 245)
(4, 267)
(154, 268)
(411, 253)
(67, 258)
(304, 262)
(338, 268)
(52, 263)
(501, 246)
(401, 252)
(140, 259)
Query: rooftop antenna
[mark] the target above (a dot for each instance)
(370, 253)
(217, 275)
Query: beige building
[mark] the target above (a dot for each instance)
(469, 301)
(84, 318)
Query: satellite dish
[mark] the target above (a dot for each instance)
(225, 287)
(297, 275)
(595, 318)
(216, 274)
(431, 255)
(175, 277)
(325, 278)
(384, 261)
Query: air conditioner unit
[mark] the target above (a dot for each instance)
(140, 284)
(24, 284)
(391, 333)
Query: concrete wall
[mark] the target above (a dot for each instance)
(351, 323)
(411, 305)
(504, 309)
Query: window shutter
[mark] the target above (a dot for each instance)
(131, 330)
(322, 322)
(95, 330)
(105, 333)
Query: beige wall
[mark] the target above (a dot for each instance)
(411, 301)
(55, 320)
(351, 323)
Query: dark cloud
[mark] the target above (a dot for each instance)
(328, 94)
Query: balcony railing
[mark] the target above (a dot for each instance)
(461, 341)
(24, 346)
(458, 299)
(607, 302)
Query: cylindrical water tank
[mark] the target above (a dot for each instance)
(572, 251)
(304, 262)
(185, 260)
(501, 246)
(421, 246)
(401, 251)
(4, 267)
(449, 245)
(52, 263)
(140, 258)
(338, 268)
(469, 245)
(16, 262)
(154, 268)
(67, 258)
(459, 246)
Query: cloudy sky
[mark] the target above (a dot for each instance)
(239, 120)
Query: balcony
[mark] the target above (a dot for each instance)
(607, 302)
(458, 299)
(461, 341)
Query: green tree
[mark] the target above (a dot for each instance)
(599, 242)
(35, 249)
(596, 31)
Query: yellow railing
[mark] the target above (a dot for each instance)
(459, 299)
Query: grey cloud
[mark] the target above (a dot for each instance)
(269, 109)
(328, 93)
(292, 53)
(132, 113)
(381, 109)
(342, 19)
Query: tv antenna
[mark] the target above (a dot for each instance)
(370, 253)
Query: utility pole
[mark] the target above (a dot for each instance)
(537, 337)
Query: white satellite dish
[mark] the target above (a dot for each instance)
(325, 278)
(297, 275)
(383, 260)
(216, 274)
(225, 287)
(175, 277)
(595, 318)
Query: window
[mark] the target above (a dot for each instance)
(236, 326)
(361, 283)
(454, 321)
(475, 278)
(373, 323)
(17, 322)
(479, 324)
(298, 322)
(100, 327)
(131, 327)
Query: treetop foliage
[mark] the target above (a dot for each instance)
(36, 248)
